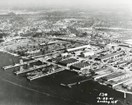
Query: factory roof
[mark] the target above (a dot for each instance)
(88, 53)
(78, 48)
(120, 81)
(117, 74)
(110, 55)
(103, 69)
(67, 61)
(80, 65)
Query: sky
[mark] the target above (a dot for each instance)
(67, 3)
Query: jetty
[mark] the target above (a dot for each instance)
(19, 64)
(44, 74)
(29, 69)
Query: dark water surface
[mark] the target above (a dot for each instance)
(17, 90)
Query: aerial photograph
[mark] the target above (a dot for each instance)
(65, 52)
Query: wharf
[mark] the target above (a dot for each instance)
(44, 75)
(30, 69)
(43, 60)
(75, 80)
(18, 64)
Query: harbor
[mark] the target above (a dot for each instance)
(65, 52)
(9, 79)
(45, 67)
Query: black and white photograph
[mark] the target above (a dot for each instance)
(66, 52)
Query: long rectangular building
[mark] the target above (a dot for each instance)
(80, 66)
(68, 62)
(110, 56)
(78, 48)
(116, 83)
(113, 75)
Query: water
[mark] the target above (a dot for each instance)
(17, 90)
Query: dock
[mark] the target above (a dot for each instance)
(43, 60)
(78, 82)
(18, 64)
(44, 75)
(75, 81)
(29, 70)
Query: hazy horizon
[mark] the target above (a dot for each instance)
(127, 4)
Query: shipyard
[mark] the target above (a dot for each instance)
(65, 53)
(109, 66)
(80, 60)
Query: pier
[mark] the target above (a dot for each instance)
(35, 67)
(29, 70)
(44, 75)
(75, 81)
(19, 64)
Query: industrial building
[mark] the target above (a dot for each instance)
(100, 76)
(122, 63)
(68, 62)
(113, 75)
(119, 82)
(80, 66)
(126, 84)
(86, 54)
(109, 56)
(78, 48)
(102, 70)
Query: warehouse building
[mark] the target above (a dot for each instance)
(113, 75)
(79, 67)
(109, 56)
(78, 48)
(68, 62)
(126, 84)
(118, 82)
(86, 54)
